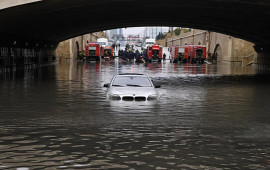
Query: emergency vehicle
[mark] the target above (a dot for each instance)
(148, 42)
(181, 53)
(103, 42)
(194, 53)
(92, 51)
(107, 52)
(174, 54)
(154, 53)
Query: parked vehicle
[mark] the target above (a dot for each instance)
(154, 53)
(92, 51)
(138, 44)
(188, 54)
(140, 59)
(174, 54)
(107, 52)
(148, 42)
(194, 53)
(181, 53)
(103, 42)
(130, 87)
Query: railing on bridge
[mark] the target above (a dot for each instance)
(21, 57)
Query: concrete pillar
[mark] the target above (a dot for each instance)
(207, 44)
(230, 47)
(71, 48)
(82, 42)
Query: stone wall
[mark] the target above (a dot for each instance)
(262, 61)
(163, 42)
(222, 43)
(227, 47)
(71, 47)
(190, 37)
(242, 48)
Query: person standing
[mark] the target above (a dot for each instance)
(164, 57)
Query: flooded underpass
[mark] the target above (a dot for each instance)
(207, 117)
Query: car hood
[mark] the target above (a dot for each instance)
(133, 90)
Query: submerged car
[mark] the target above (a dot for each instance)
(130, 87)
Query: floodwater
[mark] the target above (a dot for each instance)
(208, 117)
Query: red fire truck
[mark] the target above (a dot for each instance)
(194, 53)
(181, 53)
(174, 54)
(92, 51)
(154, 53)
(177, 54)
(107, 52)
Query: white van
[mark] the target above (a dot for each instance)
(103, 42)
(148, 42)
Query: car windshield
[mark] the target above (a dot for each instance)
(134, 81)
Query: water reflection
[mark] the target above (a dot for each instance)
(208, 117)
(132, 106)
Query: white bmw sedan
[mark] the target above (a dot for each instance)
(130, 87)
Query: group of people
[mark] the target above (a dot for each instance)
(129, 54)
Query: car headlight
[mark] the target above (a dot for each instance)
(114, 97)
(152, 97)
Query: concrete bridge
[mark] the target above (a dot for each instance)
(44, 23)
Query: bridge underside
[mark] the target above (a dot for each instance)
(45, 23)
(55, 21)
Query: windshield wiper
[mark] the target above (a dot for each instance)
(134, 85)
(117, 85)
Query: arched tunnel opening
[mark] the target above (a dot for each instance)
(43, 24)
(136, 96)
(33, 52)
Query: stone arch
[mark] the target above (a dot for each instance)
(219, 48)
(218, 52)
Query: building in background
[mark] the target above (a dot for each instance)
(110, 33)
(134, 39)
(121, 31)
(152, 32)
(119, 38)
(116, 36)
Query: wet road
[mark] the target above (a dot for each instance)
(208, 117)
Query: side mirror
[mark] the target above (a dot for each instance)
(157, 86)
(106, 85)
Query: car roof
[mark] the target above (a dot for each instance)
(131, 74)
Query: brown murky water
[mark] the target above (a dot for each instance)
(208, 117)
